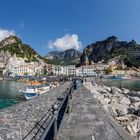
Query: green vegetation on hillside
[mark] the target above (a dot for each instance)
(111, 48)
(62, 62)
(23, 51)
(14, 46)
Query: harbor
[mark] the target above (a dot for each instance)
(69, 111)
(15, 91)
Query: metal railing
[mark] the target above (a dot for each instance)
(46, 128)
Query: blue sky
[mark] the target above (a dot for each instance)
(41, 22)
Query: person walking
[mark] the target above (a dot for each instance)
(85, 80)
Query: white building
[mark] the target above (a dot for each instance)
(64, 70)
(71, 70)
(86, 71)
(26, 70)
(57, 70)
(22, 70)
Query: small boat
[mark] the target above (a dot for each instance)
(116, 77)
(30, 92)
(34, 89)
(127, 77)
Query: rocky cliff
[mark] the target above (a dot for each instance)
(128, 52)
(69, 56)
(13, 49)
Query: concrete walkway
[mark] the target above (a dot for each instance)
(89, 121)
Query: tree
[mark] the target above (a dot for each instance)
(45, 70)
(108, 70)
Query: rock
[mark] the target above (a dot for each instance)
(134, 99)
(106, 101)
(138, 92)
(120, 109)
(111, 111)
(67, 54)
(131, 123)
(107, 88)
(115, 90)
(12, 49)
(124, 100)
(125, 91)
(130, 129)
(120, 106)
(139, 110)
(94, 84)
(110, 49)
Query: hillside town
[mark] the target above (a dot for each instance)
(17, 67)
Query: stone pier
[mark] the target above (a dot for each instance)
(17, 121)
(89, 121)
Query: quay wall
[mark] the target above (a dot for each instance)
(18, 120)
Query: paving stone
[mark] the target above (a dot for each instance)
(89, 121)
(18, 120)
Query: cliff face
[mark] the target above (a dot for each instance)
(14, 46)
(67, 57)
(128, 52)
(13, 49)
(67, 54)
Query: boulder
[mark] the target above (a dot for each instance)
(124, 100)
(107, 88)
(139, 110)
(115, 90)
(134, 99)
(121, 104)
(125, 91)
(131, 123)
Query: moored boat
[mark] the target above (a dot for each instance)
(116, 77)
(30, 92)
(34, 89)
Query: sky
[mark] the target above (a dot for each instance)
(48, 25)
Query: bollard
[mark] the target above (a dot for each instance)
(55, 113)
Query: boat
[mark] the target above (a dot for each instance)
(34, 89)
(127, 77)
(30, 92)
(116, 77)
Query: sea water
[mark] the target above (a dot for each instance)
(9, 93)
(129, 84)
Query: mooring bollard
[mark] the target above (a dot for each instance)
(55, 114)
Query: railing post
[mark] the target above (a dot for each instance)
(55, 114)
(69, 101)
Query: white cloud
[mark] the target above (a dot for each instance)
(66, 42)
(5, 33)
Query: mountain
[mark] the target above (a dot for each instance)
(67, 57)
(53, 54)
(12, 48)
(110, 48)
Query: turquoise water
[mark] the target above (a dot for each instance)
(129, 84)
(9, 93)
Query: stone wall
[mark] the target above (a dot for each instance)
(18, 120)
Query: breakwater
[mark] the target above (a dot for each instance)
(87, 120)
(121, 104)
(17, 121)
